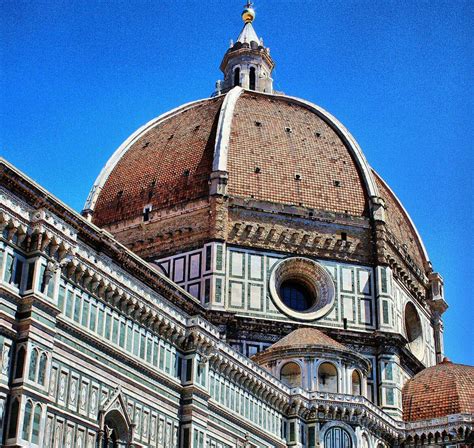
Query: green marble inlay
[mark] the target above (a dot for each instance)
(385, 312)
(219, 258)
(218, 290)
(47, 321)
(383, 277)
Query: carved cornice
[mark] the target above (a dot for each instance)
(95, 238)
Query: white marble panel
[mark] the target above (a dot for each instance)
(237, 264)
(236, 293)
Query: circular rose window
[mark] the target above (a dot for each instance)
(301, 288)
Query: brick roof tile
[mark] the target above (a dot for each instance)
(304, 337)
(439, 391)
(284, 139)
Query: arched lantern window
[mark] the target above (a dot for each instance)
(356, 383)
(290, 374)
(327, 377)
(237, 77)
(252, 78)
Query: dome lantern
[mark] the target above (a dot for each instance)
(247, 63)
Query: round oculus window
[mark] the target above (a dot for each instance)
(301, 288)
(296, 295)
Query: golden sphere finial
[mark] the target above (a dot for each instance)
(248, 14)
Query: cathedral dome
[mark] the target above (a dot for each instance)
(274, 150)
(278, 149)
(438, 391)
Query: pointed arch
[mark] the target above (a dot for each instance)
(35, 430)
(115, 423)
(20, 362)
(27, 420)
(42, 368)
(117, 432)
(33, 364)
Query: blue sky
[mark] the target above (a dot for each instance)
(78, 77)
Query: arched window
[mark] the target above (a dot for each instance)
(27, 420)
(356, 383)
(237, 77)
(13, 422)
(36, 425)
(253, 79)
(327, 377)
(42, 368)
(20, 362)
(337, 438)
(290, 374)
(33, 364)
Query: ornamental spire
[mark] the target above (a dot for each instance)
(247, 63)
(248, 14)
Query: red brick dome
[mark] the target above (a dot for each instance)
(172, 158)
(438, 391)
(269, 148)
(165, 163)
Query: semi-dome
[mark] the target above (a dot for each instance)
(438, 391)
(297, 356)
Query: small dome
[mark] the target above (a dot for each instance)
(312, 343)
(438, 391)
(307, 337)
